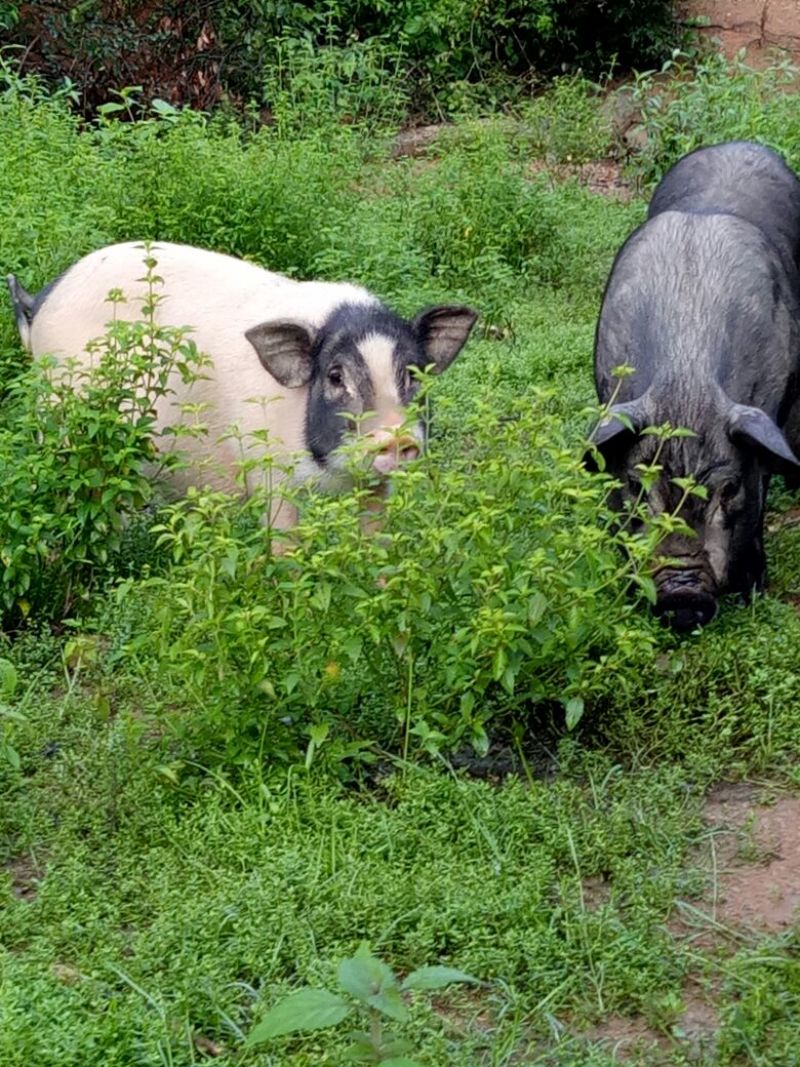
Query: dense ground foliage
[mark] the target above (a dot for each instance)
(222, 770)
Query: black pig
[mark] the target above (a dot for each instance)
(703, 301)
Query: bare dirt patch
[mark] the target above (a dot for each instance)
(602, 176)
(596, 892)
(25, 875)
(631, 1039)
(628, 1037)
(750, 856)
(753, 859)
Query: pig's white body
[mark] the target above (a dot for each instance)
(219, 297)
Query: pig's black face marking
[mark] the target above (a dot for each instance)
(363, 357)
(362, 360)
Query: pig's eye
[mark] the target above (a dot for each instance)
(335, 377)
(728, 492)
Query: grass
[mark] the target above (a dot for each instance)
(205, 900)
(154, 903)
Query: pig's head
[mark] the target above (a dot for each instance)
(732, 456)
(359, 369)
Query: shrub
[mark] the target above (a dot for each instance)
(101, 45)
(362, 82)
(66, 189)
(447, 41)
(343, 56)
(711, 102)
(566, 124)
(74, 447)
(493, 591)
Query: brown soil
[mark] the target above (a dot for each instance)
(25, 875)
(630, 1039)
(601, 176)
(751, 857)
(763, 28)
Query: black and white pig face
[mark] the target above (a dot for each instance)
(360, 370)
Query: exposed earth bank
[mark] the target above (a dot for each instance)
(761, 27)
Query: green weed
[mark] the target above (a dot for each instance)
(565, 124)
(491, 590)
(711, 101)
(377, 993)
(73, 457)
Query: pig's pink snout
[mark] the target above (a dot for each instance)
(391, 449)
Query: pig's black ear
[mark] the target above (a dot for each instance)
(284, 349)
(22, 302)
(614, 434)
(442, 333)
(752, 428)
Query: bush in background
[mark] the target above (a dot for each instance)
(262, 49)
(713, 101)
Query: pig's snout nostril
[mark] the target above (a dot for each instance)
(409, 452)
(683, 613)
(391, 451)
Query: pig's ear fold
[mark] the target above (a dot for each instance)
(442, 332)
(284, 348)
(752, 428)
(615, 433)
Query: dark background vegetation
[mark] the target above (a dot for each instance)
(202, 53)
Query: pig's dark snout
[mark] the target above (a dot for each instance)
(684, 604)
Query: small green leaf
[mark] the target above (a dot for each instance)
(361, 1050)
(318, 732)
(682, 431)
(352, 647)
(11, 713)
(308, 1009)
(479, 740)
(623, 370)
(574, 709)
(11, 755)
(395, 1046)
(291, 680)
(364, 976)
(536, 608)
(8, 679)
(435, 978)
(647, 585)
(401, 1061)
(389, 1002)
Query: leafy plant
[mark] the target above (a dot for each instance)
(565, 123)
(356, 82)
(346, 58)
(710, 101)
(373, 990)
(499, 587)
(75, 446)
(9, 716)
